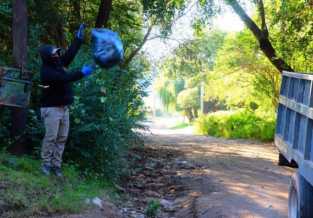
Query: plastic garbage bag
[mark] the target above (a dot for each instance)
(107, 47)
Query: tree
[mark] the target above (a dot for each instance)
(212, 7)
(186, 69)
(111, 109)
(242, 75)
(103, 13)
(50, 17)
(5, 26)
(291, 29)
(195, 56)
(260, 33)
(157, 13)
(19, 35)
(168, 90)
(189, 101)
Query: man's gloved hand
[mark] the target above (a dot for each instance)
(80, 34)
(87, 70)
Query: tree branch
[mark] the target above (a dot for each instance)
(246, 19)
(165, 37)
(135, 52)
(262, 37)
(104, 13)
(262, 16)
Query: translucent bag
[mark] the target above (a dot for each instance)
(14, 91)
(107, 47)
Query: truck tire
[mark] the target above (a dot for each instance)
(282, 161)
(300, 198)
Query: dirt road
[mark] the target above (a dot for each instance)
(206, 177)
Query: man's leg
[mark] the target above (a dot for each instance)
(61, 139)
(52, 123)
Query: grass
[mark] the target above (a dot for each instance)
(25, 192)
(181, 125)
(153, 208)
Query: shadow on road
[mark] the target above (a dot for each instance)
(211, 177)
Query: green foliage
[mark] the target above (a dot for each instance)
(209, 8)
(5, 22)
(193, 57)
(181, 74)
(153, 208)
(168, 91)
(294, 20)
(242, 75)
(28, 193)
(189, 98)
(238, 124)
(167, 96)
(162, 12)
(108, 105)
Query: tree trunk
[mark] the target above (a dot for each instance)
(261, 35)
(269, 51)
(19, 30)
(188, 112)
(60, 35)
(76, 18)
(18, 115)
(77, 9)
(195, 113)
(104, 13)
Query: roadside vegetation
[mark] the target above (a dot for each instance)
(237, 124)
(228, 72)
(25, 192)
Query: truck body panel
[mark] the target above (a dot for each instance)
(294, 130)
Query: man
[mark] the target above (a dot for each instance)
(57, 95)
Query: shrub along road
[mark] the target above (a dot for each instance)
(197, 176)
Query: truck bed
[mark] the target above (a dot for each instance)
(294, 131)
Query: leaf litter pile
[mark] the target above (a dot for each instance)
(160, 182)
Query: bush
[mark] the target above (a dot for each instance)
(105, 112)
(238, 124)
(107, 107)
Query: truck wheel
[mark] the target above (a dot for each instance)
(300, 198)
(293, 199)
(282, 161)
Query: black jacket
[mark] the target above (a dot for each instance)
(55, 78)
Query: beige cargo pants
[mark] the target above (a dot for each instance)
(56, 121)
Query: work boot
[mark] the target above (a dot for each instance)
(58, 172)
(46, 169)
